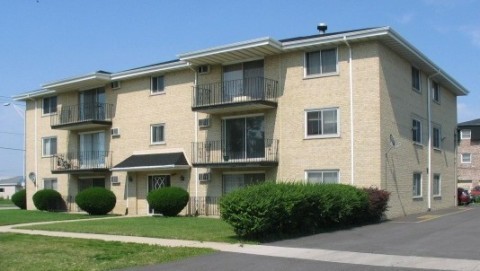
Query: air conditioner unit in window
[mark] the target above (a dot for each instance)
(114, 180)
(115, 85)
(204, 69)
(115, 132)
(204, 177)
(204, 123)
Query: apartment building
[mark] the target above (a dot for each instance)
(361, 107)
(469, 154)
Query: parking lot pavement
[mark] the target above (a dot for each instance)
(448, 233)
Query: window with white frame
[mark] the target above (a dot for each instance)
(322, 176)
(321, 122)
(436, 92)
(321, 62)
(157, 84)
(416, 131)
(466, 134)
(466, 158)
(417, 185)
(415, 79)
(49, 105)
(50, 184)
(49, 146)
(157, 134)
(437, 139)
(437, 191)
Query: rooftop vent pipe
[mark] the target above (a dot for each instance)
(322, 27)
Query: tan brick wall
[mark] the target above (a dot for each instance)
(468, 173)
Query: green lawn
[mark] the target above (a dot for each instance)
(6, 203)
(10, 217)
(26, 252)
(186, 228)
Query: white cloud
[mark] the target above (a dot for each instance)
(405, 18)
(473, 33)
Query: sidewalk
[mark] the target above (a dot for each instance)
(324, 255)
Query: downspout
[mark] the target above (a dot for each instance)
(429, 166)
(194, 151)
(352, 134)
(126, 188)
(36, 150)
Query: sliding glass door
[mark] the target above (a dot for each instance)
(243, 80)
(92, 104)
(244, 138)
(92, 150)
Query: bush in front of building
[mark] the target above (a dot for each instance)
(48, 200)
(271, 210)
(168, 201)
(96, 200)
(20, 199)
(378, 204)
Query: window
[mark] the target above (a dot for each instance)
(157, 134)
(88, 183)
(436, 185)
(436, 92)
(157, 85)
(50, 105)
(50, 184)
(322, 176)
(49, 147)
(415, 79)
(466, 158)
(466, 134)
(416, 131)
(233, 182)
(417, 185)
(321, 62)
(436, 137)
(2, 190)
(323, 122)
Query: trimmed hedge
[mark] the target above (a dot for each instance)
(20, 199)
(96, 200)
(275, 209)
(378, 204)
(48, 200)
(168, 201)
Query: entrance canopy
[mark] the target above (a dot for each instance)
(159, 161)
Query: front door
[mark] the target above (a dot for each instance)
(156, 182)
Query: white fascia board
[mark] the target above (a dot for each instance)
(33, 94)
(231, 47)
(78, 79)
(164, 167)
(150, 70)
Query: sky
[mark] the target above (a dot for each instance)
(47, 40)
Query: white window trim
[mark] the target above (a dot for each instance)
(305, 121)
(305, 76)
(419, 90)
(462, 136)
(43, 145)
(321, 171)
(43, 106)
(420, 142)
(151, 85)
(463, 160)
(439, 185)
(421, 185)
(151, 134)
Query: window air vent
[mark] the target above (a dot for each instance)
(204, 177)
(204, 69)
(204, 123)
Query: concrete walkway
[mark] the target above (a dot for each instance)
(313, 254)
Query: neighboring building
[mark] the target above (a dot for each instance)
(358, 107)
(469, 154)
(10, 185)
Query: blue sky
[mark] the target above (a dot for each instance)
(47, 40)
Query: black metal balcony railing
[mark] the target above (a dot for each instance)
(207, 206)
(71, 114)
(218, 153)
(256, 89)
(81, 161)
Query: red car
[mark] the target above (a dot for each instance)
(463, 197)
(475, 192)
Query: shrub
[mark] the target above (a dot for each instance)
(378, 204)
(20, 199)
(48, 200)
(286, 208)
(168, 201)
(96, 200)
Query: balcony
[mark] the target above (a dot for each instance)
(81, 162)
(83, 116)
(247, 94)
(215, 154)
